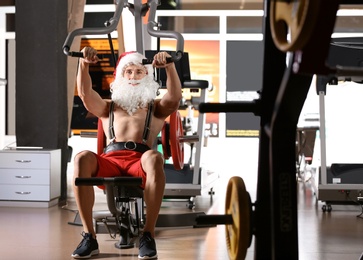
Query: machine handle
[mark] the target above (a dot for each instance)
(168, 60)
(111, 26)
(79, 54)
(164, 33)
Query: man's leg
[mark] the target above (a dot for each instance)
(153, 164)
(85, 166)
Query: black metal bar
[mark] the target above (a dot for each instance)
(79, 54)
(150, 61)
(98, 181)
(289, 102)
(112, 51)
(214, 220)
(274, 64)
(230, 107)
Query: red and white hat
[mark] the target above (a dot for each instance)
(128, 58)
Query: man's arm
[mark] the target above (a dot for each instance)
(171, 100)
(92, 101)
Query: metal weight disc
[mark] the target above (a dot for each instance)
(293, 19)
(176, 147)
(238, 205)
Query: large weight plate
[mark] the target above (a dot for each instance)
(295, 18)
(176, 147)
(238, 205)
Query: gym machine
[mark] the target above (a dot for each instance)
(183, 183)
(339, 182)
(293, 34)
(183, 180)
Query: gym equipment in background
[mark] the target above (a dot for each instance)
(339, 180)
(272, 219)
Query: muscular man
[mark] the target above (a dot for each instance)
(128, 153)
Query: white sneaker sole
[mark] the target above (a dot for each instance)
(94, 252)
(148, 257)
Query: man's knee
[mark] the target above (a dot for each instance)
(84, 156)
(153, 157)
(153, 160)
(85, 164)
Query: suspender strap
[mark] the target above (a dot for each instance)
(147, 123)
(111, 131)
(146, 133)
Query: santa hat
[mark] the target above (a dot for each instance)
(128, 58)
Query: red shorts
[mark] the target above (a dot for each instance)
(121, 163)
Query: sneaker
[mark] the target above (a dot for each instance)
(87, 248)
(147, 247)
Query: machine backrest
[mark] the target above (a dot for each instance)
(182, 67)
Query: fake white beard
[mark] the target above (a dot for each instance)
(131, 98)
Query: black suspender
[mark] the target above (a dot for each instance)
(146, 133)
(111, 131)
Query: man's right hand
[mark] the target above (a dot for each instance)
(89, 55)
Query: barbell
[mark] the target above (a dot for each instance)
(295, 19)
(237, 218)
(173, 139)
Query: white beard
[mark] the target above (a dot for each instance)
(131, 98)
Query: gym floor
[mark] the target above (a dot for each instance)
(44, 233)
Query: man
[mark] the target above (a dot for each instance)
(129, 153)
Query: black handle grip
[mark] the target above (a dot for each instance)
(79, 54)
(150, 61)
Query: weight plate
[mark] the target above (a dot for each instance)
(292, 23)
(238, 205)
(176, 147)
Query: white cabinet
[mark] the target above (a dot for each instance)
(30, 178)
